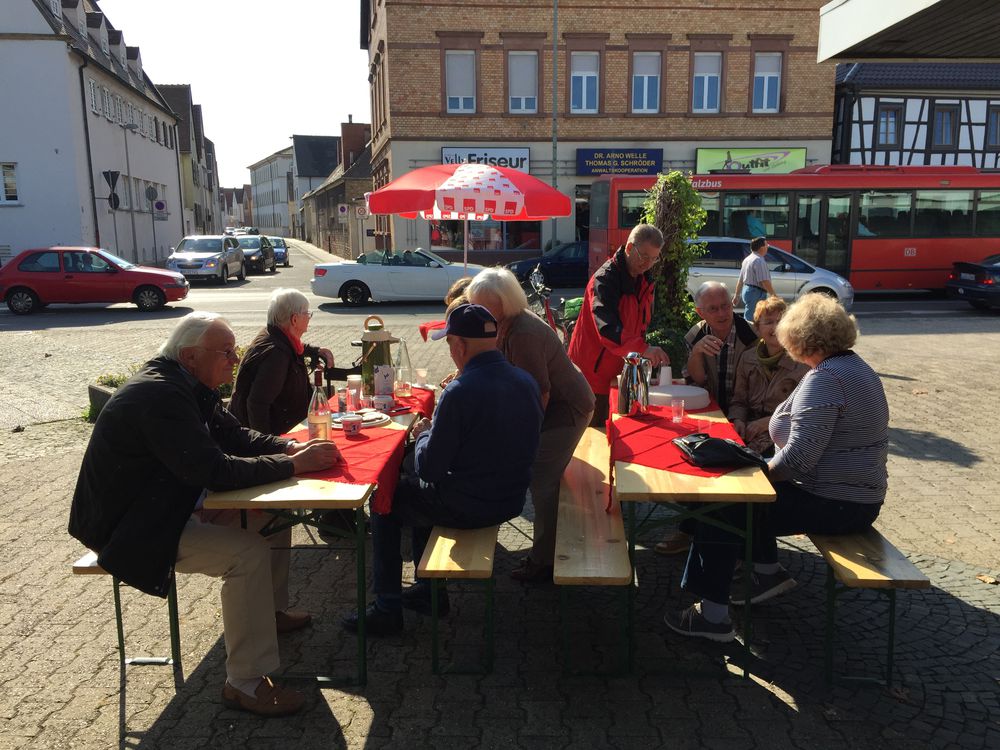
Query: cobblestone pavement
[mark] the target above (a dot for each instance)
(60, 685)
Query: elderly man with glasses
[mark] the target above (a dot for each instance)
(616, 310)
(160, 444)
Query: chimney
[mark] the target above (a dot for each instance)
(350, 118)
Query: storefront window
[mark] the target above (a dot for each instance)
(751, 215)
(486, 235)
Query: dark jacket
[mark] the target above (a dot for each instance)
(272, 388)
(161, 440)
(479, 450)
(613, 319)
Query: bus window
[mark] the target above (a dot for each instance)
(988, 214)
(943, 213)
(630, 208)
(710, 202)
(749, 215)
(884, 214)
(600, 201)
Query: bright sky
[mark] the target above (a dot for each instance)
(261, 69)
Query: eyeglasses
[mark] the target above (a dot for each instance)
(307, 313)
(725, 306)
(227, 353)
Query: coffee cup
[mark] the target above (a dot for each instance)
(383, 403)
(351, 424)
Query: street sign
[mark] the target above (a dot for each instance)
(112, 179)
(361, 212)
(114, 201)
(369, 232)
(343, 211)
(151, 194)
(159, 206)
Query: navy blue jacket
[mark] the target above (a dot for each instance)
(484, 437)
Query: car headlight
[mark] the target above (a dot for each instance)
(211, 263)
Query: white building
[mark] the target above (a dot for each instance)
(269, 180)
(79, 106)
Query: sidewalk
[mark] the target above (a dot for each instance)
(60, 672)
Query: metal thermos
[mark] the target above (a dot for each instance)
(633, 391)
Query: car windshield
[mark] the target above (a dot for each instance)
(432, 256)
(120, 262)
(250, 243)
(200, 245)
(991, 260)
(277, 241)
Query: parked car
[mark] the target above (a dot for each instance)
(257, 252)
(385, 276)
(791, 276)
(250, 230)
(208, 256)
(35, 278)
(976, 283)
(563, 265)
(280, 250)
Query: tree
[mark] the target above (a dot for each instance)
(674, 207)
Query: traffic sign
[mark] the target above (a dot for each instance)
(343, 211)
(159, 207)
(151, 194)
(114, 201)
(361, 212)
(111, 177)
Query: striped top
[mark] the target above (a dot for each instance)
(832, 432)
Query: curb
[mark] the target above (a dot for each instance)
(319, 256)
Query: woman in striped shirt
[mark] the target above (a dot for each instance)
(829, 469)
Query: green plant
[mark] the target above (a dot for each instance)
(674, 207)
(116, 379)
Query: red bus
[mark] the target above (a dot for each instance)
(880, 227)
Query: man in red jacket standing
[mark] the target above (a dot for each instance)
(614, 316)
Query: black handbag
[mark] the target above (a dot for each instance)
(708, 452)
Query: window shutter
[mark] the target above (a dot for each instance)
(768, 63)
(461, 73)
(707, 63)
(646, 64)
(523, 72)
(586, 62)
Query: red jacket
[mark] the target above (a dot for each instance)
(613, 320)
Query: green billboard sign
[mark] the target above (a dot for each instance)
(756, 160)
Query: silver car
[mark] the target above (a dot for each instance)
(791, 276)
(214, 257)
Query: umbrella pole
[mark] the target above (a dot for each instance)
(465, 249)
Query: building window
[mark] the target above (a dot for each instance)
(706, 82)
(993, 128)
(585, 68)
(460, 80)
(766, 81)
(522, 73)
(645, 82)
(106, 103)
(945, 134)
(95, 104)
(890, 121)
(9, 171)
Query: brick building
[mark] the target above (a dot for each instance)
(647, 84)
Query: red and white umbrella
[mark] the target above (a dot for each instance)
(469, 192)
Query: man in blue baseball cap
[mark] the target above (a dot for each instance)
(470, 466)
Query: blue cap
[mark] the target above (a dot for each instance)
(469, 322)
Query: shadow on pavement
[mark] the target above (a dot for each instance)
(920, 445)
(55, 316)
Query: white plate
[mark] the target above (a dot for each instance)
(369, 418)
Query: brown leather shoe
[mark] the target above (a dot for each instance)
(674, 545)
(268, 700)
(531, 572)
(291, 620)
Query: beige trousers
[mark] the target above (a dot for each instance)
(254, 583)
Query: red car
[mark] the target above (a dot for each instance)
(35, 278)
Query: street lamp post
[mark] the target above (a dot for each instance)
(131, 194)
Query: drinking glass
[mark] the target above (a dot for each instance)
(677, 409)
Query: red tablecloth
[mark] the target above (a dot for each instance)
(645, 440)
(373, 456)
(421, 402)
(431, 325)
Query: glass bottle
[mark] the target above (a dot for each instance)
(403, 370)
(319, 410)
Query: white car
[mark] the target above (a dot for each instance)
(791, 276)
(387, 276)
(209, 256)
